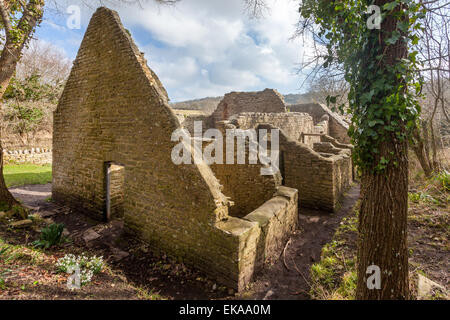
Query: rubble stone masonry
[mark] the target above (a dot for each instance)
(337, 126)
(33, 155)
(267, 101)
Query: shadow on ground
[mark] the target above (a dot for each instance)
(287, 278)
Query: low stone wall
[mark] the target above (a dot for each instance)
(277, 219)
(13, 141)
(243, 183)
(337, 144)
(259, 237)
(293, 124)
(188, 122)
(33, 155)
(321, 178)
(338, 128)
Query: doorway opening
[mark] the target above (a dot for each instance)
(115, 183)
(282, 168)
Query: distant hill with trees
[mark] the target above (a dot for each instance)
(209, 104)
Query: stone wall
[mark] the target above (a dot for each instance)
(115, 110)
(33, 155)
(277, 218)
(188, 122)
(321, 178)
(267, 101)
(13, 141)
(338, 128)
(337, 144)
(260, 236)
(293, 124)
(320, 175)
(243, 183)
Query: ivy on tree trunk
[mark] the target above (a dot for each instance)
(384, 85)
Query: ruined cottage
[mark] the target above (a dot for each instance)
(315, 154)
(112, 159)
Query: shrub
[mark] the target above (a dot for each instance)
(50, 236)
(417, 197)
(444, 178)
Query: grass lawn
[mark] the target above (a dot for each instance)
(22, 174)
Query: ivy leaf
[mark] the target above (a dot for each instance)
(331, 100)
(390, 5)
(394, 37)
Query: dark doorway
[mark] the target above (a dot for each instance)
(115, 181)
(282, 169)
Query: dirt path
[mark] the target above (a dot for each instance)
(33, 196)
(287, 279)
(315, 230)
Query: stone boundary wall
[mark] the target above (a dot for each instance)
(33, 155)
(13, 141)
(337, 126)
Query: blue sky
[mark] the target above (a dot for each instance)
(201, 48)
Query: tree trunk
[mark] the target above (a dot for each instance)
(382, 235)
(9, 58)
(383, 225)
(8, 64)
(5, 196)
(420, 149)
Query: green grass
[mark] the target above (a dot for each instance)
(19, 175)
(334, 276)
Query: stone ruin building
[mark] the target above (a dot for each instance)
(315, 154)
(112, 159)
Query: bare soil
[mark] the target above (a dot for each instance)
(289, 278)
(135, 272)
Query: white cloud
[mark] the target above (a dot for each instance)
(213, 47)
(210, 47)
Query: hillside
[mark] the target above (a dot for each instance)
(209, 104)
